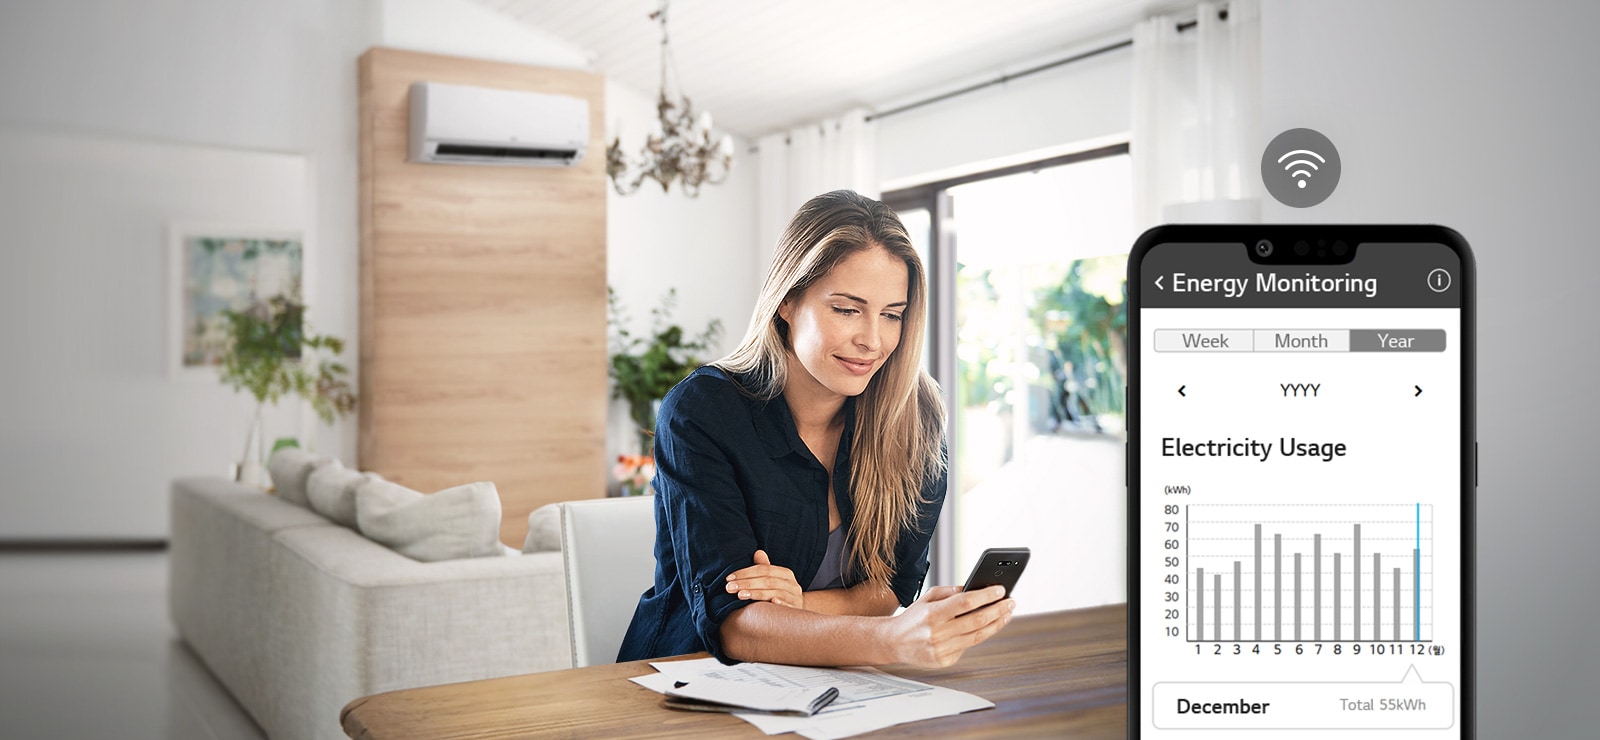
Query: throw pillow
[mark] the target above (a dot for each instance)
(332, 490)
(460, 522)
(289, 468)
(544, 529)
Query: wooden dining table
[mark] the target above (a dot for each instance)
(1056, 674)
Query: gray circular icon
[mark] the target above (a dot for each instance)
(1439, 280)
(1300, 168)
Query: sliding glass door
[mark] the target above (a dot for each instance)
(1029, 342)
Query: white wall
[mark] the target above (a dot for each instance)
(84, 302)
(1480, 116)
(217, 82)
(91, 431)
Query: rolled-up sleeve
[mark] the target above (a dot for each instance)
(911, 553)
(711, 532)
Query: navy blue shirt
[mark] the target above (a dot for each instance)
(733, 476)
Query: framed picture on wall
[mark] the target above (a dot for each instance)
(214, 268)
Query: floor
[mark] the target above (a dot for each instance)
(87, 651)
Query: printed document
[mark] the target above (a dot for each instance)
(869, 699)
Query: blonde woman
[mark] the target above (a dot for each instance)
(799, 478)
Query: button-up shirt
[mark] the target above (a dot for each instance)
(733, 476)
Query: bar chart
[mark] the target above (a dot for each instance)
(1309, 572)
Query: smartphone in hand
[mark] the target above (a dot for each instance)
(999, 566)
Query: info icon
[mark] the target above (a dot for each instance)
(1300, 168)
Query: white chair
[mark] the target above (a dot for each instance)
(608, 552)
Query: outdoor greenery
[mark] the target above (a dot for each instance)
(1084, 324)
(265, 359)
(645, 367)
(1056, 333)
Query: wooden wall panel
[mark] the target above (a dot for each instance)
(483, 299)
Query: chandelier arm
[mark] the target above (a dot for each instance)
(683, 150)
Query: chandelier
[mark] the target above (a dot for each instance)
(682, 150)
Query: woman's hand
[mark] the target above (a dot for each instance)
(940, 626)
(767, 582)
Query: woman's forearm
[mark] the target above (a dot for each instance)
(770, 633)
(862, 600)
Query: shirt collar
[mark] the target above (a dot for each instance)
(779, 435)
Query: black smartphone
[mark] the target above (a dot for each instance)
(1301, 476)
(998, 566)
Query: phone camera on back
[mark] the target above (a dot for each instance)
(1264, 248)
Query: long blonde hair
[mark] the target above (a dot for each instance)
(899, 418)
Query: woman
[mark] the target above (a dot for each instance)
(799, 478)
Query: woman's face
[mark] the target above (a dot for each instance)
(845, 326)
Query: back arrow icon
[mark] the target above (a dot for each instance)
(1419, 391)
(1158, 282)
(1180, 391)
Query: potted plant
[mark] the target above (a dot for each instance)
(646, 367)
(270, 355)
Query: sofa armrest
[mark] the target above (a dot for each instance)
(221, 541)
(351, 618)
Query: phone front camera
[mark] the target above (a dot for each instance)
(1264, 248)
(1339, 248)
(1301, 248)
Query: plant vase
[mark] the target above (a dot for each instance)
(251, 470)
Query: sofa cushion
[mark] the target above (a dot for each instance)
(331, 488)
(544, 529)
(460, 522)
(289, 468)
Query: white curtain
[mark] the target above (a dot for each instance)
(807, 161)
(1196, 141)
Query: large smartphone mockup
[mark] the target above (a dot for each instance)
(1302, 468)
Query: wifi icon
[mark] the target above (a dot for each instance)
(1302, 164)
(1300, 167)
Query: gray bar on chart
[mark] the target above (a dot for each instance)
(1397, 604)
(1316, 587)
(1377, 596)
(1297, 597)
(1277, 587)
(1396, 340)
(1336, 615)
(1216, 607)
(1258, 583)
(1200, 603)
(1238, 613)
(1355, 590)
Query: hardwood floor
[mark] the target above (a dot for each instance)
(89, 652)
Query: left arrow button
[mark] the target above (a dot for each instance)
(1158, 282)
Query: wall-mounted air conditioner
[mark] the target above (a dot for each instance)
(458, 124)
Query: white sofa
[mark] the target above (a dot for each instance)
(297, 615)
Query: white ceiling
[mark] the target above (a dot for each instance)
(765, 65)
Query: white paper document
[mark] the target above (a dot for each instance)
(869, 699)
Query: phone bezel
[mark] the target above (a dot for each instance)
(1354, 235)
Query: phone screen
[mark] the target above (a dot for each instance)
(1301, 478)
